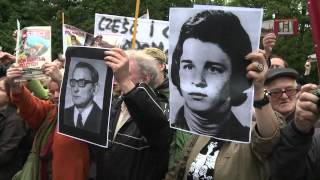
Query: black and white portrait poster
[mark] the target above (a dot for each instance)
(210, 94)
(85, 97)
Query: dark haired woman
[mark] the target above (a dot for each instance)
(209, 70)
(224, 66)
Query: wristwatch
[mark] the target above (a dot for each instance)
(260, 103)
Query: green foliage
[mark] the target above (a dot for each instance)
(76, 12)
(80, 13)
(294, 49)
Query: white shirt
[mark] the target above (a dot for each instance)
(123, 118)
(85, 113)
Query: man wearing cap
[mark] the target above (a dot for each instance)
(281, 85)
(297, 155)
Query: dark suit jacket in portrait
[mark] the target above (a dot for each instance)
(93, 122)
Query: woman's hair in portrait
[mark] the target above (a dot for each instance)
(225, 30)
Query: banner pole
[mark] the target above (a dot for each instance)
(314, 12)
(135, 24)
(62, 30)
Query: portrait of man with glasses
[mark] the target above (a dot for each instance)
(84, 113)
(86, 92)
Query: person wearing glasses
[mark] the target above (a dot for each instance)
(298, 152)
(85, 113)
(282, 88)
(49, 147)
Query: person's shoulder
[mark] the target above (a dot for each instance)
(11, 115)
(235, 122)
(69, 108)
(180, 121)
(95, 106)
(316, 137)
(235, 130)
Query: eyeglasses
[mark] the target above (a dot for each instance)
(277, 93)
(80, 82)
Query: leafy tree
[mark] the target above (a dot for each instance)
(80, 13)
(294, 49)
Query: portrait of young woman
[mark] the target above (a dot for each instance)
(208, 68)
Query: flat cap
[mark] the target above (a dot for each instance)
(281, 72)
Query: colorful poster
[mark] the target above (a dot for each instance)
(73, 36)
(33, 50)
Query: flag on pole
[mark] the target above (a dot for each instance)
(314, 11)
(18, 39)
(146, 15)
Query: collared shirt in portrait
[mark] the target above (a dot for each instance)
(85, 113)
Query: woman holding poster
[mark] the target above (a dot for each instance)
(209, 70)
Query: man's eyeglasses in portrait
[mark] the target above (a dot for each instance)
(79, 82)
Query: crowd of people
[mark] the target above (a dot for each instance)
(285, 141)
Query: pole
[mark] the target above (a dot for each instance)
(135, 24)
(314, 12)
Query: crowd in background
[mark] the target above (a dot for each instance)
(285, 141)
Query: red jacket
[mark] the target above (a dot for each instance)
(70, 157)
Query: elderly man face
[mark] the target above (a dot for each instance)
(277, 63)
(83, 88)
(142, 68)
(136, 75)
(283, 95)
(134, 72)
